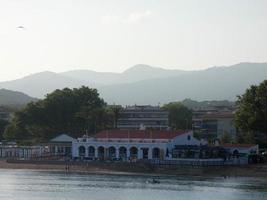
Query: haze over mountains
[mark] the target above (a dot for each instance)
(143, 84)
(133, 74)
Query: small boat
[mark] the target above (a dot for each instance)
(154, 181)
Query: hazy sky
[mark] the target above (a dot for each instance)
(113, 35)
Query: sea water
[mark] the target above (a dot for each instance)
(35, 185)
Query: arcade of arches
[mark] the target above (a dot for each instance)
(121, 153)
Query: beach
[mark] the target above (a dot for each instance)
(256, 170)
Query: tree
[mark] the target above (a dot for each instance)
(70, 111)
(245, 137)
(226, 138)
(251, 115)
(115, 113)
(180, 117)
(3, 124)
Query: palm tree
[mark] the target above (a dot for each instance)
(115, 109)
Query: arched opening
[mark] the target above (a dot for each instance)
(81, 151)
(111, 153)
(91, 152)
(155, 153)
(133, 153)
(235, 153)
(123, 153)
(101, 153)
(189, 137)
(145, 153)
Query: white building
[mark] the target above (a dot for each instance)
(247, 149)
(131, 144)
(20, 152)
(60, 145)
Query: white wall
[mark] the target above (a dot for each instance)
(184, 140)
(246, 150)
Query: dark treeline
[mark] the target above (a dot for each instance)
(251, 115)
(191, 104)
(71, 111)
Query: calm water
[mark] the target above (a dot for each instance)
(27, 184)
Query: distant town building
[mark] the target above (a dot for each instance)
(213, 123)
(143, 117)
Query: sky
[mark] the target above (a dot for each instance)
(113, 35)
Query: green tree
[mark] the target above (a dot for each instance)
(70, 111)
(226, 138)
(247, 137)
(180, 117)
(251, 115)
(3, 124)
(115, 113)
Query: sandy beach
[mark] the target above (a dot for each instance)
(259, 170)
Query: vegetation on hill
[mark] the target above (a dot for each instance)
(12, 99)
(192, 104)
(251, 116)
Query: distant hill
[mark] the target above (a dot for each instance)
(89, 77)
(143, 84)
(40, 84)
(134, 74)
(217, 83)
(145, 72)
(14, 99)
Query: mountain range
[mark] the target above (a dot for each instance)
(143, 84)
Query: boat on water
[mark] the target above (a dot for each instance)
(154, 181)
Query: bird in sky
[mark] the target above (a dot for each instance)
(21, 27)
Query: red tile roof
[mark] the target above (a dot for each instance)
(139, 134)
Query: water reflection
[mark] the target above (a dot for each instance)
(27, 184)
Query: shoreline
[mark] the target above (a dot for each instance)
(252, 171)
